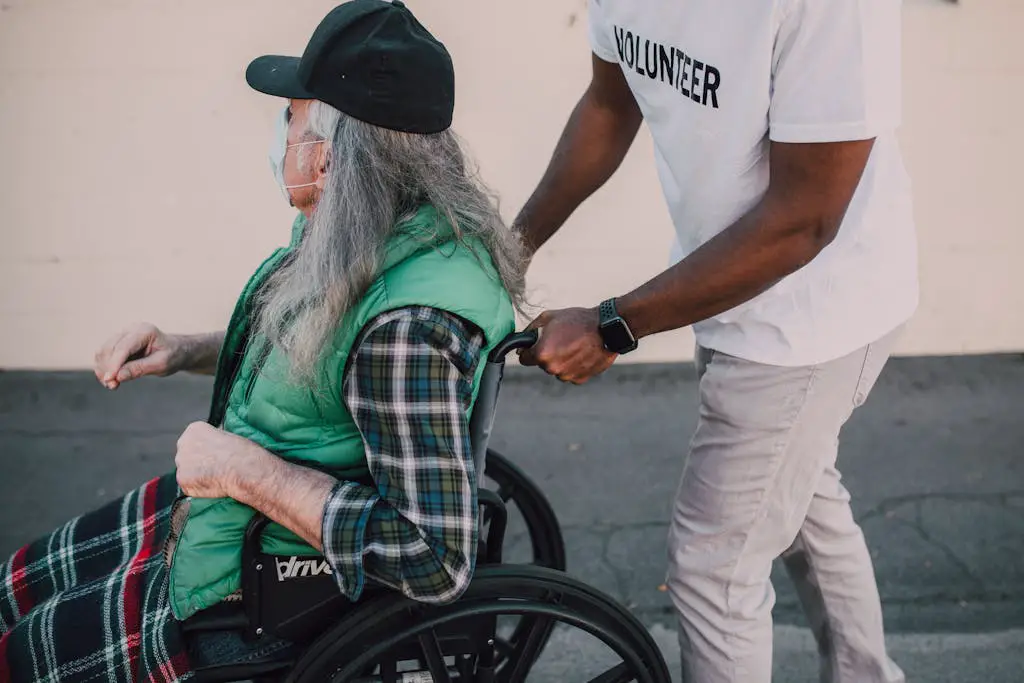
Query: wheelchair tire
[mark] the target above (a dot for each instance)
(376, 636)
(520, 493)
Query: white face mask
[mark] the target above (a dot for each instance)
(279, 147)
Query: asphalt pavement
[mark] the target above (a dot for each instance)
(935, 462)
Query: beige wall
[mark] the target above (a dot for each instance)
(135, 182)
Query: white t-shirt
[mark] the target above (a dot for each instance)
(716, 81)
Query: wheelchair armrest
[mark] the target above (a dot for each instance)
(495, 508)
(264, 596)
(253, 534)
(252, 566)
(291, 605)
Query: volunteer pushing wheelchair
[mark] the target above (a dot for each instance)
(331, 513)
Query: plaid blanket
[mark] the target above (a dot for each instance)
(88, 603)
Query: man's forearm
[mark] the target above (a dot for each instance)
(744, 260)
(592, 146)
(202, 351)
(291, 495)
(810, 190)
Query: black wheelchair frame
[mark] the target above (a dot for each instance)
(364, 642)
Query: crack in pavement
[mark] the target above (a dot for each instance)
(887, 508)
(950, 554)
(611, 527)
(921, 600)
(621, 582)
(894, 503)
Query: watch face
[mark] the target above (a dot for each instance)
(616, 335)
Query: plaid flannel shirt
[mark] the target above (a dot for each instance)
(409, 388)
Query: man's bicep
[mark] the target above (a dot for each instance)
(609, 88)
(836, 71)
(814, 182)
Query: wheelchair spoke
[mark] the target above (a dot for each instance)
(465, 664)
(503, 649)
(618, 674)
(527, 651)
(506, 492)
(434, 659)
(389, 671)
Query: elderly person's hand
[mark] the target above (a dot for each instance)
(143, 349)
(139, 350)
(570, 347)
(211, 462)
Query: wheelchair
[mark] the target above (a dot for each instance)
(494, 633)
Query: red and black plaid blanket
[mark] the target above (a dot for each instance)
(88, 603)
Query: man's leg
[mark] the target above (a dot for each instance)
(764, 439)
(832, 570)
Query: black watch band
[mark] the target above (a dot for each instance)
(614, 331)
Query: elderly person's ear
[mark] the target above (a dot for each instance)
(323, 164)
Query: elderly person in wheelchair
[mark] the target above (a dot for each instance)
(344, 381)
(343, 455)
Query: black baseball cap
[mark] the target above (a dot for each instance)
(372, 60)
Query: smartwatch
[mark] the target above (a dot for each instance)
(615, 333)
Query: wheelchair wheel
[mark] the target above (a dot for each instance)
(530, 513)
(394, 639)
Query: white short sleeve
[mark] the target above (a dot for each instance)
(602, 42)
(836, 71)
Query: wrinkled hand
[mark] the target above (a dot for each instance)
(211, 462)
(139, 350)
(570, 347)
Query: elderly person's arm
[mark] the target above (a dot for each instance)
(409, 389)
(144, 349)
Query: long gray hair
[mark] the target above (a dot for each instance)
(375, 178)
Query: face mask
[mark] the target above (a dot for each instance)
(278, 148)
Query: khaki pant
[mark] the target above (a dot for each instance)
(761, 482)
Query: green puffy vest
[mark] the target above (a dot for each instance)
(423, 266)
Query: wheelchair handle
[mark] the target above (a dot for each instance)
(516, 340)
